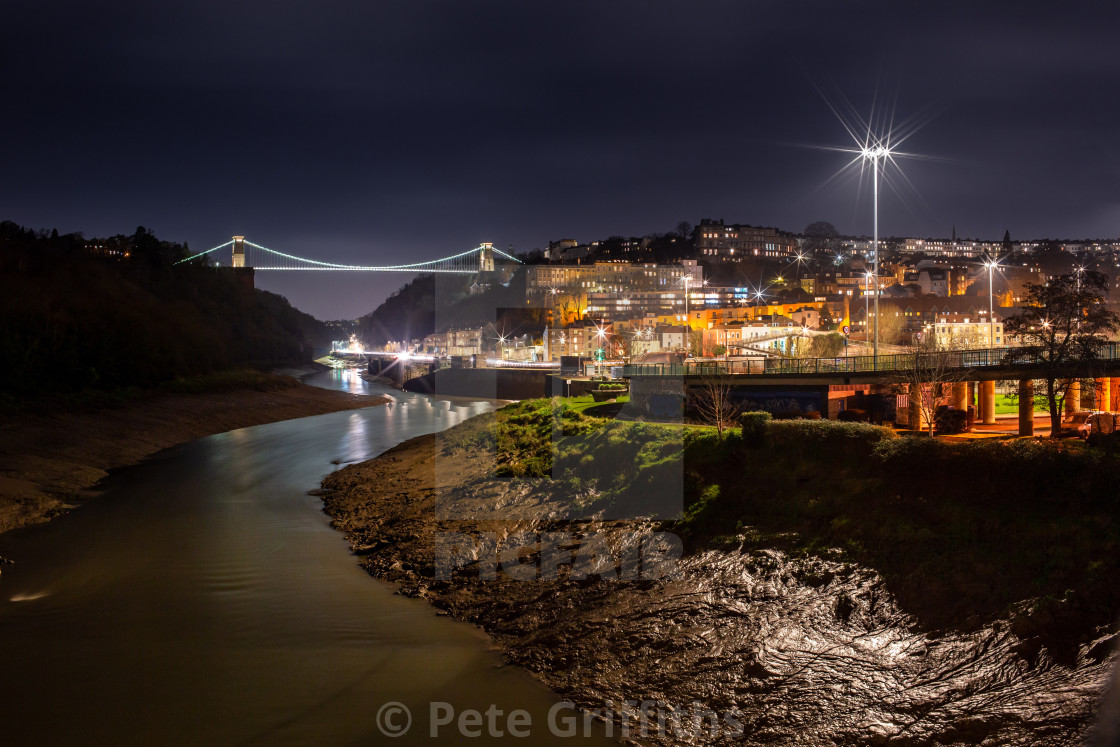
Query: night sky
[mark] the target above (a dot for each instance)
(401, 131)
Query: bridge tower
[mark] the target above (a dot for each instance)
(486, 257)
(238, 251)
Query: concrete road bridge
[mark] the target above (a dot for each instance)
(878, 384)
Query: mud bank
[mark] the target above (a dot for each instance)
(801, 650)
(49, 461)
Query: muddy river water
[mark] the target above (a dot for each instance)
(204, 599)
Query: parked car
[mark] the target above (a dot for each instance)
(1098, 422)
(1086, 422)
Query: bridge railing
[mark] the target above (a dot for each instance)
(953, 359)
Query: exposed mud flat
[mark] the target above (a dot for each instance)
(802, 651)
(48, 460)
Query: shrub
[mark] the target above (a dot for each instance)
(852, 416)
(754, 428)
(827, 436)
(797, 415)
(951, 421)
(1106, 441)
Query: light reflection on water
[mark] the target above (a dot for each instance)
(204, 599)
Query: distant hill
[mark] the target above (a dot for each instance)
(430, 304)
(80, 313)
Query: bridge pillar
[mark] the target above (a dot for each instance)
(1073, 396)
(1104, 394)
(238, 251)
(486, 257)
(1026, 407)
(960, 395)
(988, 402)
(914, 408)
(1115, 404)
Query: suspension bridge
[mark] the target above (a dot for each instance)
(245, 253)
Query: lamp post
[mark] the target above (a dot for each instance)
(874, 154)
(866, 306)
(991, 306)
(1080, 269)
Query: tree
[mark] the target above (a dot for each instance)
(927, 374)
(821, 238)
(826, 346)
(797, 346)
(713, 404)
(684, 230)
(569, 303)
(695, 343)
(825, 320)
(620, 344)
(1063, 326)
(891, 325)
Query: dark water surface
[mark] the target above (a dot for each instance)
(204, 599)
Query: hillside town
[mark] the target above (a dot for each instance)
(732, 290)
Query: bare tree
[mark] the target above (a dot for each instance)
(620, 344)
(891, 325)
(713, 403)
(695, 342)
(927, 375)
(569, 304)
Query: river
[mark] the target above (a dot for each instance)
(204, 599)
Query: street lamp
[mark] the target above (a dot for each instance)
(687, 280)
(1080, 269)
(798, 259)
(991, 265)
(866, 308)
(874, 154)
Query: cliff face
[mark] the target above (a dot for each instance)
(72, 318)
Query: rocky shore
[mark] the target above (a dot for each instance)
(794, 649)
(50, 460)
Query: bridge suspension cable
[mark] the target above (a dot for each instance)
(262, 258)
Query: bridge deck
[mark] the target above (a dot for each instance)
(987, 363)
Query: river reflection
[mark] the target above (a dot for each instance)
(204, 599)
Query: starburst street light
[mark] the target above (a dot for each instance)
(876, 141)
(798, 259)
(875, 153)
(991, 264)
